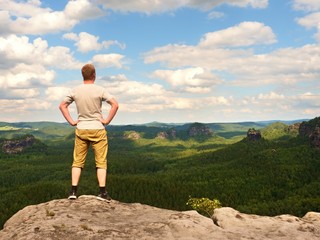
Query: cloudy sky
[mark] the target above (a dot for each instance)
(171, 61)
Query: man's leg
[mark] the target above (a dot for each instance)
(102, 177)
(79, 156)
(75, 175)
(100, 147)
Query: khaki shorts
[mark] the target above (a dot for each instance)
(98, 139)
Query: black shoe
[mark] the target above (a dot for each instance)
(72, 195)
(104, 197)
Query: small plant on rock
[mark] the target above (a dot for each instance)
(204, 206)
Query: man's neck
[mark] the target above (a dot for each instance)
(88, 81)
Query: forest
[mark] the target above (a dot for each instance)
(277, 174)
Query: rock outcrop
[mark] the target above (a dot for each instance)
(169, 134)
(89, 218)
(162, 135)
(132, 135)
(294, 128)
(18, 145)
(311, 130)
(315, 138)
(253, 134)
(199, 129)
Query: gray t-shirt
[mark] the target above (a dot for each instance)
(88, 99)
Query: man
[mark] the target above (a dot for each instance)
(90, 128)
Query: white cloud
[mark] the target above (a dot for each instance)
(56, 93)
(26, 76)
(87, 42)
(60, 57)
(199, 90)
(71, 36)
(286, 66)
(119, 85)
(244, 34)
(215, 101)
(215, 14)
(5, 22)
(137, 96)
(306, 5)
(19, 93)
(310, 21)
(242, 3)
(82, 9)
(155, 6)
(14, 49)
(271, 96)
(23, 9)
(48, 22)
(30, 18)
(195, 80)
(31, 104)
(21, 106)
(108, 60)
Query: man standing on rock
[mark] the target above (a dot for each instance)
(90, 128)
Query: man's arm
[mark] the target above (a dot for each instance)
(114, 108)
(65, 112)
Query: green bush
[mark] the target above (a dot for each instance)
(204, 206)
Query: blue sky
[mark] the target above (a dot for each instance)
(171, 61)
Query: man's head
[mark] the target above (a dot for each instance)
(88, 72)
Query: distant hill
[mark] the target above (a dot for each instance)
(41, 130)
(277, 130)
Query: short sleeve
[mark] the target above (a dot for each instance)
(106, 96)
(69, 98)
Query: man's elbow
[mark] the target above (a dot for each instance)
(62, 106)
(114, 104)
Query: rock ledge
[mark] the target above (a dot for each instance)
(89, 218)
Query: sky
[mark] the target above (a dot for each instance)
(171, 61)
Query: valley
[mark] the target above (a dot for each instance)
(163, 165)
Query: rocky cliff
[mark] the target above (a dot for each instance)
(311, 130)
(169, 134)
(89, 218)
(253, 134)
(199, 129)
(14, 146)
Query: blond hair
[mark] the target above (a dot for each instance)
(88, 72)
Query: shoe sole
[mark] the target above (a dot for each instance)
(103, 199)
(72, 197)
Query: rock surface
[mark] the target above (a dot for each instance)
(89, 218)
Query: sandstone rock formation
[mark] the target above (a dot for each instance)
(17, 145)
(199, 129)
(89, 218)
(315, 138)
(311, 130)
(294, 128)
(132, 135)
(162, 135)
(253, 134)
(169, 134)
